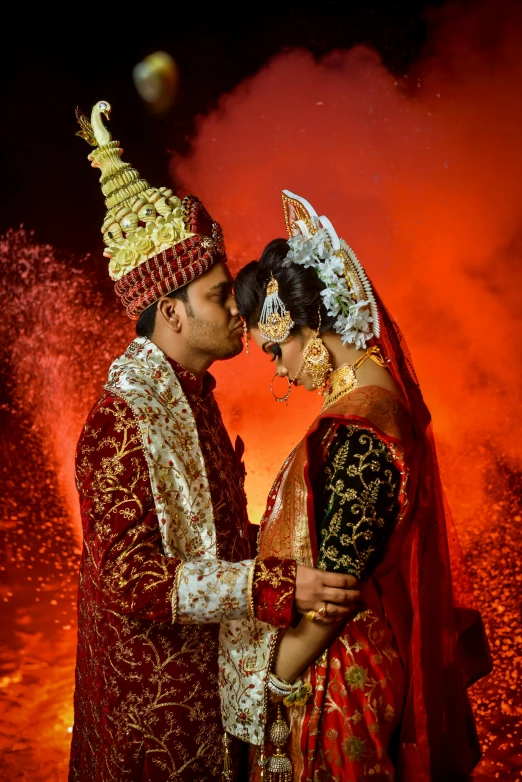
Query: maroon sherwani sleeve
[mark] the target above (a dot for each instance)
(273, 590)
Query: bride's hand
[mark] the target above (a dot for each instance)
(316, 588)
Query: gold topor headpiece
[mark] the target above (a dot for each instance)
(155, 242)
(141, 221)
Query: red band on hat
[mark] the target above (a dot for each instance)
(164, 273)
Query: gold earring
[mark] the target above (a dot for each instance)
(285, 397)
(245, 335)
(316, 360)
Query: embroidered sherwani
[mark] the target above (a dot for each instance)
(166, 557)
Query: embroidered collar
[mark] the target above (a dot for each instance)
(191, 384)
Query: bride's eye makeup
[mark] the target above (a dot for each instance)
(275, 351)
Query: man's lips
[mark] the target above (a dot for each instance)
(239, 327)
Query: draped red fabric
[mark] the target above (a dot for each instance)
(443, 642)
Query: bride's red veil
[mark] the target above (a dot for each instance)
(442, 641)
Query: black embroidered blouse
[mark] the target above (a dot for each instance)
(356, 500)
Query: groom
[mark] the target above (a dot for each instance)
(166, 554)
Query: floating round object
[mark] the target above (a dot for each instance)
(156, 80)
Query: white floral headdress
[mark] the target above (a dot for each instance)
(348, 295)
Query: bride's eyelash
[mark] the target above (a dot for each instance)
(275, 350)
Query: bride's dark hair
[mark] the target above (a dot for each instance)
(299, 289)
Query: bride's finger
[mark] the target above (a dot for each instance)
(335, 614)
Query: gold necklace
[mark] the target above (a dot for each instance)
(343, 379)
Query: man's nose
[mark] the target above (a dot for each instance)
(233, 307)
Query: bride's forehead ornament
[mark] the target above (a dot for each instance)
(348, 295)
(275, 322)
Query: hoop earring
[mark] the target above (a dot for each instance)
(245, 335)
(285, 397)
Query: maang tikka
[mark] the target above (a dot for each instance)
(275, 322)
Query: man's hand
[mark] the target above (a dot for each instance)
(315, 588)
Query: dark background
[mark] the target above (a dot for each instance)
(55, 60)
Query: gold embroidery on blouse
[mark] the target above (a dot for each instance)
(361, 523)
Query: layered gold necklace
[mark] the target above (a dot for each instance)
(343, 380)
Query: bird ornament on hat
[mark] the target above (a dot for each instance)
(155, 242)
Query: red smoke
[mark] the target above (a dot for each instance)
(422, 175)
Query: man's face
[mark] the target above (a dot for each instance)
(214, 325)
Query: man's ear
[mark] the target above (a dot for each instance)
(171, 312)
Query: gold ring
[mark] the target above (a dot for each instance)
(310, 615)
(322, 610)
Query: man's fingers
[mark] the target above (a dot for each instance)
(341, 597)
(339, 580)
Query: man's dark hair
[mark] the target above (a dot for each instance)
(147, 320)
(299, 289)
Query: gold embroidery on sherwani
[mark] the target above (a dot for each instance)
(276, 578)
(140, 714)
(109, 497)
(208, 589)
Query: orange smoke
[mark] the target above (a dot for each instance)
(422, 175)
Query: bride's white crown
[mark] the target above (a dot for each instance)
(348, 294)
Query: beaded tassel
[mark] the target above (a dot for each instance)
(228, 771)
(245, 335)
(261, 762)
(279, 766)
(272, 303)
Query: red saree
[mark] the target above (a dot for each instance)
(389, 695)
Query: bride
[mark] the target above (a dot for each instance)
(383, 695)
